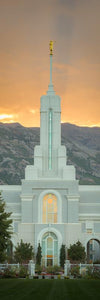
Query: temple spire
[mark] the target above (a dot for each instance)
(50, 87)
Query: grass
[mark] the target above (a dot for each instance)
(28, 289)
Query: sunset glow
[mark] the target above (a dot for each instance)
(27, 26)
(3, 117)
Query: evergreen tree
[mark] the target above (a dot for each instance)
(39, 255)
(23, 252)
(5, 230)
(62, 256)
(76, 252)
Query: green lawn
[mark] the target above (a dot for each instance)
(12, 289)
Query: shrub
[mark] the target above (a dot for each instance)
(23, 252)
(5, 230)
(92, 273)
(39, 255)
(75, 271)
(38, 269)
(96, 274)
(9, 273)
(56, 269)
(76, 252)
(62, 255)
(23, 272)
(50, 270)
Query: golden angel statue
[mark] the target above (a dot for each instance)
(51, 47)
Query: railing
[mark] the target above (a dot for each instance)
(5, 266)
(18, 269)
(83, 268)
(69, 269)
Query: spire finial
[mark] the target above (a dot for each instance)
(51, 47)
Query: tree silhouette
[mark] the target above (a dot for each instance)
(5, 230)
(39, 255)
(23, 252)
(76, 252)
(62, 256)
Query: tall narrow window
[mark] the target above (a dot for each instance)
(50, 141)
(49, 209)
(49, 249)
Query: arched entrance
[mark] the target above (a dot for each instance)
(93, 250)
(49, 249)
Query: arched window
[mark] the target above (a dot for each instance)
(49, 249)
(49, 209)
(93, 250)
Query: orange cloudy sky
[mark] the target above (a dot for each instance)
(26, 26)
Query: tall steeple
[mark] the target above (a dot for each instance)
(50, 155)
(50, 126)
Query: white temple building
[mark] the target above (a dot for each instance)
(50, 207)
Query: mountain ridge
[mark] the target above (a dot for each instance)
(17, 151)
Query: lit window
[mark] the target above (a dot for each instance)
(49, 209)
(89, 230)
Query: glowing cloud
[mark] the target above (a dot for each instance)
(3, 117)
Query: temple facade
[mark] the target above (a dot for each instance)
(50, 207)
